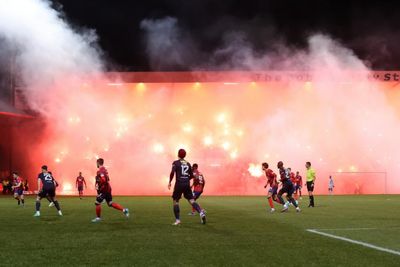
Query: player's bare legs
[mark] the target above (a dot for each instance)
(18, 198)
(21, 197)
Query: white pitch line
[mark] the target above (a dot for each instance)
(355, 229)
(345, 229)
(391, 251)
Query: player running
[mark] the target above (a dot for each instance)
(297, 185)
(287, 187)
(183, 172)
(18, 188)
(198, 185)
(273, 186)
(310, 183)
(47, 189)
(80, 181)
(104, 191)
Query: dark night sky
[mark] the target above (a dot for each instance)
(370, 28)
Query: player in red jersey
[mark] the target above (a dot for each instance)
(80, 181)
(18, 188)
(198, 185)
(299, 182)
(104, 191)
(292, 176)
(273, 186)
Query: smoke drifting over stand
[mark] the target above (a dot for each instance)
(337, 120)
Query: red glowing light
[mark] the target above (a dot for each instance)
(223, 128)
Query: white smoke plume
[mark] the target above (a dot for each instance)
(46, 48)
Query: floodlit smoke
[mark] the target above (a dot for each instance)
(337, 120)
(50, 59)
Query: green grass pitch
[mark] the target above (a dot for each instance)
(239, 232)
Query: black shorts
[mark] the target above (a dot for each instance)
(47, 192)
(80, 188)
(104, 196)
(182, 189)
(19, 191)
(310, 186)
(287, 188)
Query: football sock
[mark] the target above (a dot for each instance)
(117, 206)
(176, 211)
(271, 204)
(57, 205)
(23, 201)
(281, 199)
(312, 201)
(37, 205)
(98, 211)
(19, 202)
(196, 207)
(293, 201)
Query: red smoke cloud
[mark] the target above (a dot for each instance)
(228, 128)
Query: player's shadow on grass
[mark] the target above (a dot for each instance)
(207, 228)
(50, 219)
(124, 225)
(316, 207)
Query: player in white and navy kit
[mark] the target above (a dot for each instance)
(287, 188)
(47, 189)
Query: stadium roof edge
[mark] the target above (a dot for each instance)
(240, 76)
(8, 111)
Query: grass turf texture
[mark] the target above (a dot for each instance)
(239, 232)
